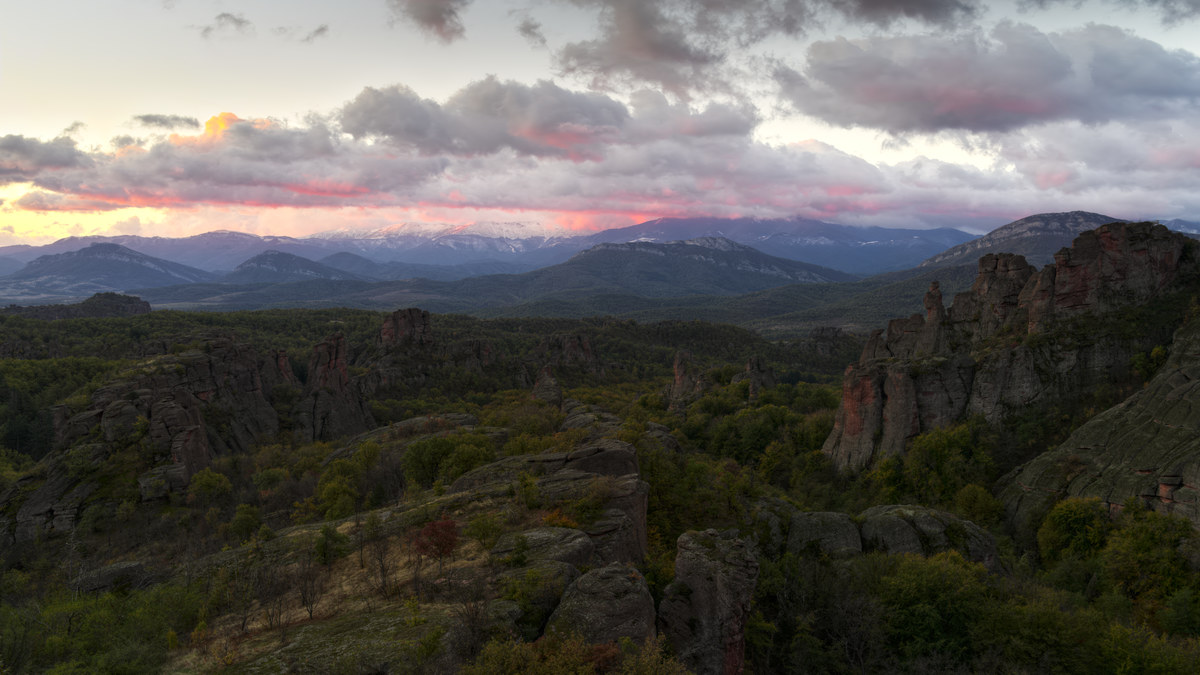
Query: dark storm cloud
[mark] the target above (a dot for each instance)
(167, 121)
(23, 158)
(440, 18)
(1013, 76)
(226, 23)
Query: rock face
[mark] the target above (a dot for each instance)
(406, 327)
(1147, 447)
(704, 610)
(759, 375)
(925, 531)
(605, 605)
(332, 406)
(933, 369)
(687, 386)
(183, 409)
(547, 389)
(604, 470)
(895, 528)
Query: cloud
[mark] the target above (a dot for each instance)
(167, 121)
(226, 24)
(23, 158)
(302, 35)
(1011, 77)
(318, 32)
(484, 117)
(440, 18)
(1172, 11)
(531, 30)
(125, 141)
(49, 201)
(690, 46)
(582, 158)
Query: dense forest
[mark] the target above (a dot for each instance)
(414, 541)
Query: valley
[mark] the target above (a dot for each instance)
(652, 458)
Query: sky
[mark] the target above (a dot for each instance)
(175, 117)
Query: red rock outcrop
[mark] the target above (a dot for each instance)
(687, 386)
(928, 371)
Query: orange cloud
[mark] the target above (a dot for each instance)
(215, 128)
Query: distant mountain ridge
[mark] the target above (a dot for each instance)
(1037, 237)
(99, 268)
(278, 267)
(858, 250)
(704, 267)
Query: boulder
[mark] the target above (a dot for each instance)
(547, 543)
(833, 534)
(920, 530)
(605, 605)
(704, 610)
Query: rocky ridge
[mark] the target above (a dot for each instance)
(99, 305)
(1147, 448)
(978, 357)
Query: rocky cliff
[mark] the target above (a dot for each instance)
(1008, 343)
(177, 410)
(1148, 448)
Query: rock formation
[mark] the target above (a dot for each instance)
(1147, 447)
(332, 406)
(183, 409)
(889, 529)
(759, 375)
(933, 369)
(687, 386)
(605, 605)
(704, 610)
(406, 327)
(568, 351)
(547, 389)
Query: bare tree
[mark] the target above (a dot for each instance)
(272, 586)
(310, 578)
(378, 543)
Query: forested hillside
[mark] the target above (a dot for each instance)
(354, 491)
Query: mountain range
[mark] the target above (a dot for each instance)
(856, 250)
(651, 277)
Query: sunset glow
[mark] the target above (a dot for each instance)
(891, 118)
